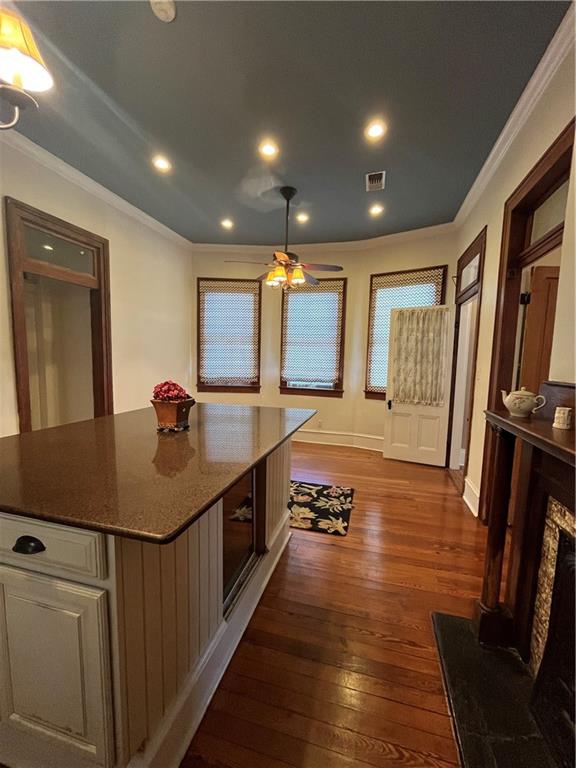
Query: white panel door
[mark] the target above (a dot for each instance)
(418, 433)
(54, 667)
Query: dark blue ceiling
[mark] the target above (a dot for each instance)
(205, 88)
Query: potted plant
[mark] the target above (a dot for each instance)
(172, 405)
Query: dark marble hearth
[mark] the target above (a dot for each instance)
(489, 693)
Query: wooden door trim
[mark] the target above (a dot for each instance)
(542, 246)
(19, 214)
(477, 246)
(547, 174)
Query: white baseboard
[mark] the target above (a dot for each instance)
(168, 746)
(351, 439)
(471, 496)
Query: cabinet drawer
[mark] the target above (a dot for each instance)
(72, 551)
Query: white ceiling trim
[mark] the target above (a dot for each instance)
(562, 45)
(51, 162)
(350, 246)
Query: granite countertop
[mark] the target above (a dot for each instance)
(117, 475)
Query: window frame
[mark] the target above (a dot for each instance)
(338, 389)
(234, 388)
(368, 393)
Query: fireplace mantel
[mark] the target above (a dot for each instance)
(546, 470)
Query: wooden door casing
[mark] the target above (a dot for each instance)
(18, 216)
(535, 356)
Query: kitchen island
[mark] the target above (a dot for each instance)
(116, 622)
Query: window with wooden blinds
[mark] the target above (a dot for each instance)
(396, 290)
(229, 335)
(312, 357)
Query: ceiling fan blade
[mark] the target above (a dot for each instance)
(234, 261)
(262, 277)
(310, 279)
(323, 267)
(281, 256)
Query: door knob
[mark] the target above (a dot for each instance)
(28, 545)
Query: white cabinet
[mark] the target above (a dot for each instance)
(54, 668)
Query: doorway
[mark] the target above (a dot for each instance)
(59, 279)
(528, 234)
(469, 274)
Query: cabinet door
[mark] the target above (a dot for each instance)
(54, 665)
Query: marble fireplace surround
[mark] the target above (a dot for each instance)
(558, 517)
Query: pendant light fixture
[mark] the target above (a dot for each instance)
(22, 68)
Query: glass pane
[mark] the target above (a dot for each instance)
(238, 531)
(550, 213)
(312, 340)
(59, 340)
(312, 320)
(469, 274)
(54, 250)
(387, 299)
(229, 348)
(396, 290)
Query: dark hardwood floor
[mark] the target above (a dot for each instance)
(338, 667)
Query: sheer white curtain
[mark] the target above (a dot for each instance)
(418, 355)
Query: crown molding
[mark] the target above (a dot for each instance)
(561, 45)
(45, 158)
(350, 246)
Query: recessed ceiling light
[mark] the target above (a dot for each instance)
(47, 247)
(375, 130)
(161, 163)
(376, 209)
(302, 217)
(268, 149)
(227, 223)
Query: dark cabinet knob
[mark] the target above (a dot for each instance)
(28, 545)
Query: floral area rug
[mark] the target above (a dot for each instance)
(313, 507)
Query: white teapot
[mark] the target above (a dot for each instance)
(522, 403)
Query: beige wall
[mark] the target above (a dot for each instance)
(150, 273)
(551, 115)
(562, 361)
(352, 419)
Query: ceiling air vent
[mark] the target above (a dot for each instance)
(375, 181)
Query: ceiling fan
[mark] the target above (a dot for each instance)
(286, 270)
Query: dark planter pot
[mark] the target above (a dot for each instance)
(173, 414)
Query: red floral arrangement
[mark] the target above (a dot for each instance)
(170, 391)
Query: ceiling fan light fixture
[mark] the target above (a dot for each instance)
(298, 276)
(270, 279)
(279, 274)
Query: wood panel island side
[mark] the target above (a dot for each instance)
(119, 610)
